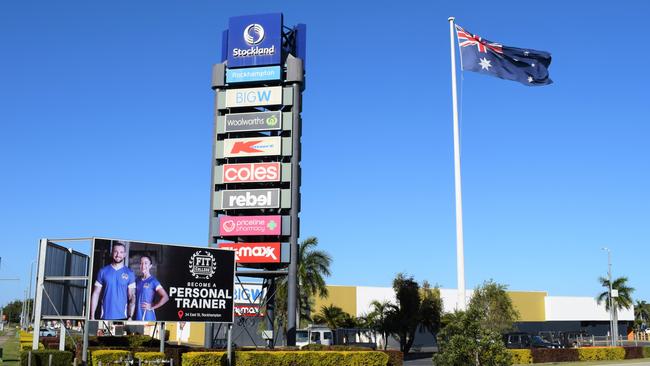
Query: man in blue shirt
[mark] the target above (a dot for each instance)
(116, 284)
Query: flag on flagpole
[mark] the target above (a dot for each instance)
(527, 66)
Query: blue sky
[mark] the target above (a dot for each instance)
(106, 114)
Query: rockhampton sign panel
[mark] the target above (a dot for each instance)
(198, 281)
(252, 74)
(255, 40)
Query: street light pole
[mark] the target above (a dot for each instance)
(611, 302)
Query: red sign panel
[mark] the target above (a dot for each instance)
(248, 310)
(254, 252)
(253, 172)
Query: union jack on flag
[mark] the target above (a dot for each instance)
(527, 66)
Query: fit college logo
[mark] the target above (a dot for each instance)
(202, 265)
(254, 34)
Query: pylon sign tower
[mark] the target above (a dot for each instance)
(255, 190)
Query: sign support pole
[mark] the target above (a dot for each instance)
(460, 251)
(38, 300)
(295, 69)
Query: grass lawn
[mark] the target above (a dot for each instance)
(11, 351)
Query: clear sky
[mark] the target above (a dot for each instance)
(106, 115)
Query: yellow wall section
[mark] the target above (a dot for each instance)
(530, 305)
(344, 297)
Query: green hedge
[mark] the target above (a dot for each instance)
(149, 356)
(28, 346)
(42, 358)
(311, 358)
(395, 358)
(601, 353)
(205, 359)
(646, 352)
(108, 356)
(633, 353)
(521, 356)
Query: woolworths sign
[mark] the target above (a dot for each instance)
(262, 121)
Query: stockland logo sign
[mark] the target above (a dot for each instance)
(255, 40)
(252, 146)
(250, 199)
(262, 121)
(252, 97)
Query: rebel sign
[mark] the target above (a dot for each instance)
(253, 172)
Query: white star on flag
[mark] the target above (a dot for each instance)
(530, 79)
(485, 64)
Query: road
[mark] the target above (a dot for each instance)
(424, 359)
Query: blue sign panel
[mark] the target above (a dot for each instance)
(255, 40)
(251, 74)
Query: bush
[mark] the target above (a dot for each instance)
(395, 358)
(108, 356)
(601, 353)
(541, 355)
(633, 352)
(28, 346)
(646, 352)
(42, 358)
(205, 359)
(521, 356)
(149, 356)
(311, 358)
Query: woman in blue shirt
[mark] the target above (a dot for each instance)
(146, 288)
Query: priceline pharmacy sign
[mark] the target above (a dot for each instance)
(255, 40)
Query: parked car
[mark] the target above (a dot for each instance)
(576, 338)
(525, 340)
(45, 332)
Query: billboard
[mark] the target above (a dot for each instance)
(253, 74)
(142, 281)
(254, 97)
(255, 40)
(260, 121)
(250, 225)
(246, 253)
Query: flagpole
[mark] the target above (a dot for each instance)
(460, 251)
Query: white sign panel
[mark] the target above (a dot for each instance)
(252, 97)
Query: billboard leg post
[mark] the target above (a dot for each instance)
(84, 348)
(62, 336)
(230, 345)
(162, 332)
(39, 291)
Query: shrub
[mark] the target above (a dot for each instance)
(395, 358)
(205, 359)
(646, 352)
(633, 352)
(28, 346)
(521, 356)
(42, 358)
(149, 356)
(541, 355)
(311, 358)
(108, 356)
(601, 353)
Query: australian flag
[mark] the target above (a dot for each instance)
(527, 66)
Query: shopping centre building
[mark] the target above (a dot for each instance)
(538, 312)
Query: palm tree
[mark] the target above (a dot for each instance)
(624, 298)
(333, 316)
(313, 267)
(378, 316)
(641, 314)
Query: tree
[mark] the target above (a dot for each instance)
(641, 315)
(473, 337)
(624, 298)
(14, 309)
(334, 317)
(313, 267)
(414, 308)
(495, 306)
(377, 318)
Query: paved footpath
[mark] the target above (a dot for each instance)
(10, 332)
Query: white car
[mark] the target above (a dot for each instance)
(44, 332)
